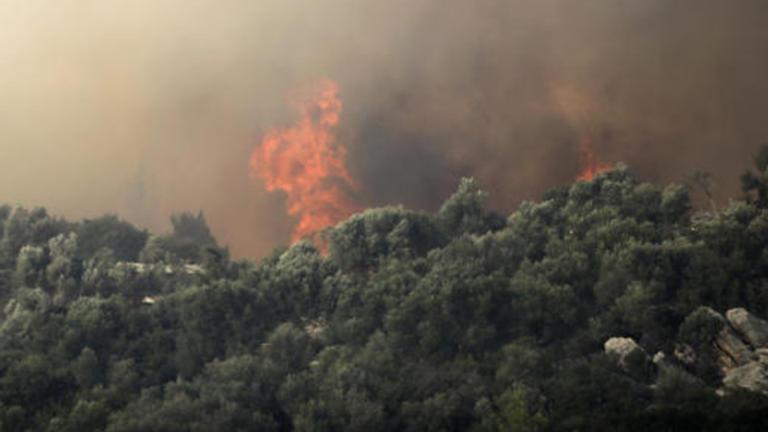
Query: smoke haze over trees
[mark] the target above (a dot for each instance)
(144, 108)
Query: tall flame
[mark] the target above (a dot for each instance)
(307, 163)
(591, 165)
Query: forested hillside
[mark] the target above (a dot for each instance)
(459, 320)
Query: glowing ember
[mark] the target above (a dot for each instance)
(307, 163)
(590, 162)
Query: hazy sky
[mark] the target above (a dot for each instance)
(146, 107)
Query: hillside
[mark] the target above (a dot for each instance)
(607, 305)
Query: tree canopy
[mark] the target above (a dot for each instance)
(459, 320)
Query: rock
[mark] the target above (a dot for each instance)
(753, 329)
(741, 347)
(762, 354)
(621, 347)
(149, 300)
(751, 376)
(314, 329)
(662, 361)
(685, 354)
(733, 351)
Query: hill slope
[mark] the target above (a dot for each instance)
(460, 320)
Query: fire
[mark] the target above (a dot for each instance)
(591, 165)
(307, 163)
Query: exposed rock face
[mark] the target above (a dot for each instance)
(741, 347)
(752, 376)
(753, 329)
(762, 354)
(743, 367)
(734, 352)
(621, 347)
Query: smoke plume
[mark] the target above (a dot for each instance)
(146, 107)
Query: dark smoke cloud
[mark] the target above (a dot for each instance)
(506, 89)
(149, 107)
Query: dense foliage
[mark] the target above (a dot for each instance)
(460, 320)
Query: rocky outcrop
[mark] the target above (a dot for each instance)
(753, 329)
(740, 350)
(743, 344)
(733, 351)
(752, 376)
(621, 348)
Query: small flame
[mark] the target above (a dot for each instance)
(306, 162)
(591, 165)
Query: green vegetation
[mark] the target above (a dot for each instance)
(460, 320)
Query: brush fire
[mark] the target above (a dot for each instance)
(308, 163)
(591, 165)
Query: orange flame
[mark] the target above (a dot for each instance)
(306, 162)
(591, 165)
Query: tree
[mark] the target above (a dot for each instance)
(86, 369)
(703, 181)
(699, 330)
(188, 243)
(464, 212)
(65, 269)
(31, 265)
(518, 412)
(755, 184)
(125, 240)
(365, 239)
(188, 227)
(25, 227)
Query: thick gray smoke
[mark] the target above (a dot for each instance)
(148, 107)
